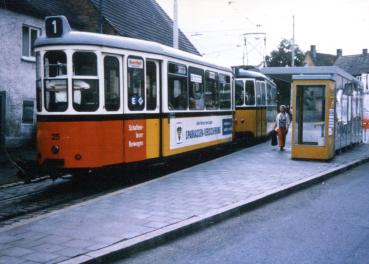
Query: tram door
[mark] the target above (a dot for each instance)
(259, 102)
(141, 131)
(313, 118)
(152, 85)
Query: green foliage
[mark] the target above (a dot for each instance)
(282, 56)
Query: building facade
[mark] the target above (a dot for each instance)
(21, 21)
(17, 78)
(314, 58)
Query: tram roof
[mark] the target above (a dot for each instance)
(285, 73)
(70, 37)
(243, 73)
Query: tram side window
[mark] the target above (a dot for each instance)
(239, 93)
(177, 87)
(55, 81)
(250, 93)
(111, 81)
(85, 89)
(258, 93)
(224, 91)
(196, 91)
(136, 85)
(211, 90)
(151, 85)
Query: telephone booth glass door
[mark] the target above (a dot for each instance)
(310, 115)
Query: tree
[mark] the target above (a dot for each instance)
(282, 56)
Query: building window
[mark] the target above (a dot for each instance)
(28, 107)
(29, 35)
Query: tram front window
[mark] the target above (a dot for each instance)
(38, 82)
(85, 82)
(240, 93)
(258, 93)
(310, 113)
(263, 93)
(55, 81)
(250, 93)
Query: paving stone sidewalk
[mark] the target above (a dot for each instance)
(134, 212)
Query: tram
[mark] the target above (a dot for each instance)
(107, 101)
(255, 105)
(328, 111)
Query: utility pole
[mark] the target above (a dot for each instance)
(293, 42)
(175, 24)
(254, 44)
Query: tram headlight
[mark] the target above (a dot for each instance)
(55, 149)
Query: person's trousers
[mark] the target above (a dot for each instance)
(282, 132)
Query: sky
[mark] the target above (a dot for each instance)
(216, 27)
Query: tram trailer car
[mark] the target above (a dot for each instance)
(107, 101)
(328, 112)
(255, 105)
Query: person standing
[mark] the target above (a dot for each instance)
(282, 123)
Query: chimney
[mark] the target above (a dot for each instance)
(313, 51)
(365, 51)
(339, 52)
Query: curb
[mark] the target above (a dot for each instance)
(158, 237)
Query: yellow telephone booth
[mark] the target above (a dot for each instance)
(313, 117)
(327, 110)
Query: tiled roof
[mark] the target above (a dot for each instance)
(354, 64)
(142, 19)
(322, 59)
(40, 9)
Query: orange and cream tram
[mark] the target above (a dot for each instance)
(106, 100)
(255, 105)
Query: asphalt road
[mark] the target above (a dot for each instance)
(327, 223)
